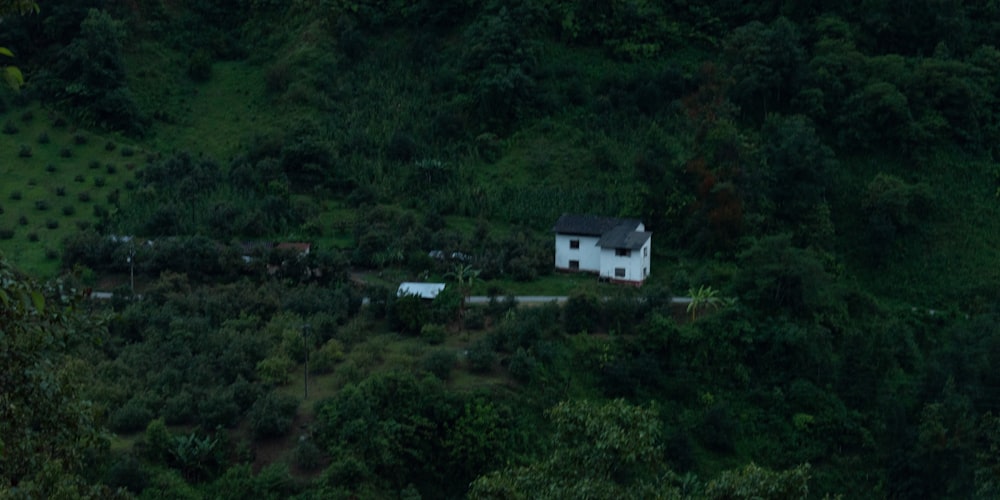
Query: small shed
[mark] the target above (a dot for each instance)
(422, 290)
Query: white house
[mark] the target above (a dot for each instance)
(616, 249)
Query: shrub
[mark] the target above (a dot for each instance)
(27, 116)
(307, 456)
(83, 197)
(111, 168)
(99, 182)
(32, 237)
(42, 205)
(219, 408)
(52, 224)
(200, 66)
(94, 165)
(434, 334)
(51, 254)
(274, 370)
(522, 366)
(22, 220)
(50, 168)
(83, 225)
(60, 191)
(68, 210)
(475, 318)
(24, 151)
(79, 139)
(718, 429)
(408, 314)
(1, 210)
(110, 146)
(439, 363)
(131, 417)
(15, 195)
(327, 357)
(178, 409)
(272, 415)
(59, 122)
(9, 128)
(581, 313)
(127, 151)
(130, 185)
(65, 153)
(6, 233)
(481, 356)
(78, 178)
(127, 473)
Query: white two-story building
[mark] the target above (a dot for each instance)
(616, 249)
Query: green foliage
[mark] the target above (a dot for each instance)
(89, 76)
(439, 363)
(48, 430)
(581, 313)
(601, 451)
(324, 359)
(272, 414)
(274, 370)
(134, 415)
(776, 277)
(894, 208)
(434, 334)
(765, 62)
(753, 481)
(793, 154)
(395, 426)
(481, 356)
(200, 66)
(408, 314)
(307, 455)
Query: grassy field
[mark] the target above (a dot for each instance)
(56, 179)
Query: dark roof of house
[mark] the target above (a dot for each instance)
(592, 225)
(624, 237)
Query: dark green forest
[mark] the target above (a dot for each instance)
(821, 179)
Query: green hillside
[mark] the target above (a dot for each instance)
(822, 180)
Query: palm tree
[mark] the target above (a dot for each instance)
(465, 277)
(704, 296)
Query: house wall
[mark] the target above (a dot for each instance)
(589, 254)
(634, 264)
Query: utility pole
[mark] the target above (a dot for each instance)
(305, 372)
(131, 265)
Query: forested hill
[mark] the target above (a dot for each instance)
(824, 177)
(866, 131)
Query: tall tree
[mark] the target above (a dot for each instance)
(765, 60)
(48, 433)
(608, 450)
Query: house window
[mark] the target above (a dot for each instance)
(645, 272)
(619, 272)
(645, 251)
(623, 252)
(574, 244)
(574, 264)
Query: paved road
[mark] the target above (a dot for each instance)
(541, 299)
(475, 299)
(524, 299)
